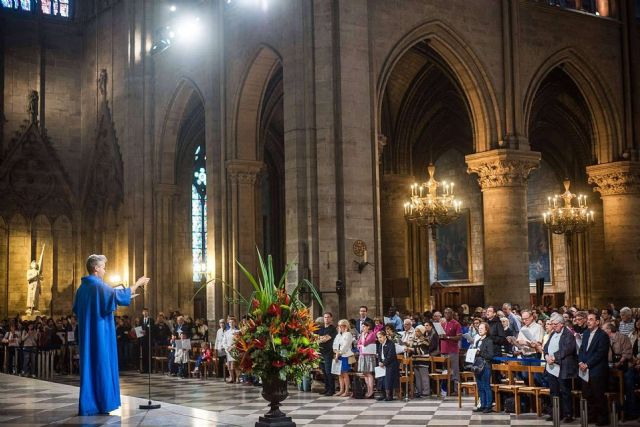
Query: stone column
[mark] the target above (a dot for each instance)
(619, 186)
(502, 175)
(164, 293)
(243, 220)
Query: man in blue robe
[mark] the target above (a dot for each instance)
(94, 305)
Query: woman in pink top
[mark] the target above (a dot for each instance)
(367, 359)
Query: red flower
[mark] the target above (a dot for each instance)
(286, 341)
(259, 343)
(274, 310)
(255, 304)
(277, 364)
(246, 363)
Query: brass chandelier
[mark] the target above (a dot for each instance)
(428, 209)
(563, 218)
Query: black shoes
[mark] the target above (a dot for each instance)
(567, 420)
(487, 410)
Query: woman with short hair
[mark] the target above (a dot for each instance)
(485, 352)
(342, 350)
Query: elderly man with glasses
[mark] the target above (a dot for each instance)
(562, 365)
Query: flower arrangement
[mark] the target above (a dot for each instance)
(278, 337)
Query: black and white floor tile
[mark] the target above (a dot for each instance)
(29, 402)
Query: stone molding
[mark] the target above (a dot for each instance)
(169, 190)
(244, 171)
(615, 178)
(502, 167)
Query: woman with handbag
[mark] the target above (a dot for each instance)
(344, 356)
(484, 352)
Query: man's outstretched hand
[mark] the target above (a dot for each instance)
(143, 281)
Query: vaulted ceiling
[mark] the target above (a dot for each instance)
(424, 112)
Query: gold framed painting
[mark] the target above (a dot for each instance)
(453, 250)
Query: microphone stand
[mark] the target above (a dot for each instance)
(149, 405)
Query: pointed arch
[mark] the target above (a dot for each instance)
(174, 114)
(466, 67)
(604, 117)
(249, 100)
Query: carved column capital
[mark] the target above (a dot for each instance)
(244, 171)
(615, 178)
(502, 167)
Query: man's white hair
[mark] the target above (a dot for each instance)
(625, 310)
(557, 318)
(93, 261)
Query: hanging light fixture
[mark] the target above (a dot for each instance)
(563, 218)
(428, 209)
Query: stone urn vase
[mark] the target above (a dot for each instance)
(274, 390)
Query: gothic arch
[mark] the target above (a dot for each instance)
(468, 70)
(167, 148)
(604, 118)
(246, 123)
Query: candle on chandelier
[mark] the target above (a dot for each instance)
(452, 184)
(544, 217)
(365, 256)
(421, 189)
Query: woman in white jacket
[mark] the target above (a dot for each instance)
(342, 345)
(228, 343)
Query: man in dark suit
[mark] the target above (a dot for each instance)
(593, 357)
(388, 359)
(562, 365)
(363, 318)
(146, 322)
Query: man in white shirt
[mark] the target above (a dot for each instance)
(529, 339)
(219, 347)
(408, 333)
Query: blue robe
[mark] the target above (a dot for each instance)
(94, 305)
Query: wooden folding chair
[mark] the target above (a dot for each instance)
(531, 389)
(512, 385)
(406, 375)
(440, 371)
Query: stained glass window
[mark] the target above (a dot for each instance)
(17, 4)
(60, 8)
(199, 213)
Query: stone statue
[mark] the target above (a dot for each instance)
(34, 279)
(32, 105)
(102, 83)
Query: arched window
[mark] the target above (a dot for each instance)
(199, 214)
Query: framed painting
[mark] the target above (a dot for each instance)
(453, 252)
(539, 252)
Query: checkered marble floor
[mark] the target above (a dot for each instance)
(189, 401)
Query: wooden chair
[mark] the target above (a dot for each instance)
(160, 357)
(467, 384)
(440, 364)
(512, 385)
(406, 375)
(532, 390)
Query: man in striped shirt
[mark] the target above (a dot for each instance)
(626, 322)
